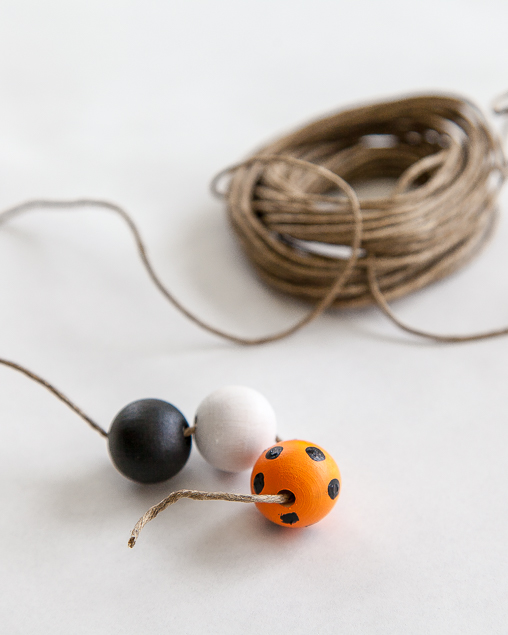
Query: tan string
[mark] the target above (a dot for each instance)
(448, 169)
(282, 498)
(79, 203)
(321, 306)
(55, 392)
(293, 199)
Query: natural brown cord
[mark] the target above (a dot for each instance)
(448, 167)
(293, 199)
(204, 496)
(56, 392)
(317, 310)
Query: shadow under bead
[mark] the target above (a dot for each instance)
(147, 442)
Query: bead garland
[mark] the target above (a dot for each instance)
(293, 483)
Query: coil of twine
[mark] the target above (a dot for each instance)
(294, 197)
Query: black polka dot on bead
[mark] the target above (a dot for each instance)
(259, 482)
(274, 452)
(333, 488)
(289, 519)
(315, 453)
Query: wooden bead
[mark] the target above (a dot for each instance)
(306, 471)
(146, 441)
(233, 425)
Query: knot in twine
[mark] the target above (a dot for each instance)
(294, 209)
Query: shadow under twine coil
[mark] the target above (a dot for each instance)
(294, 198)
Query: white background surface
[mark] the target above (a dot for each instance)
(142, 103)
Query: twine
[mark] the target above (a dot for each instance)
(154, 511)
(56, 392)
(448, 169)
(294, 198)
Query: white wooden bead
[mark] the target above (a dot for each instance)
(234, 424)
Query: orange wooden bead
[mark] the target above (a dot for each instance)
(305, 470)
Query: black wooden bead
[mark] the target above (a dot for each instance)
(146, 441)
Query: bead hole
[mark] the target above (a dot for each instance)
(290, 497)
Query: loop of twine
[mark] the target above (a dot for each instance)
(203, 496)
(38, 204)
